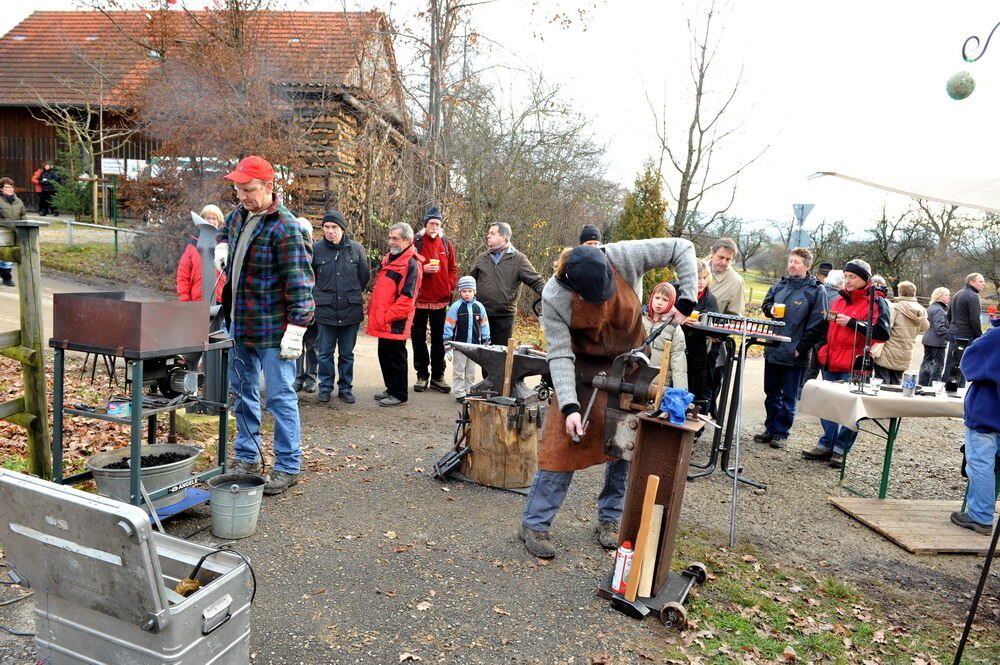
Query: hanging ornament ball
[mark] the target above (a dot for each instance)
(961, 85)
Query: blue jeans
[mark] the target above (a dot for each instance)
(244, 379)
(330, 339)
(980, 466)
(835, 437)
(548, 491)
(781, 396)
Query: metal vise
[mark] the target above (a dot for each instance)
(621, 427)
(493, 359)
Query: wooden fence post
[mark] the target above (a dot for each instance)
(25, 345)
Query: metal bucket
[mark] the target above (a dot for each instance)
(236, 499)
(115, 483)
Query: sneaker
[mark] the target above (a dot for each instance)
(245, 467)
(309, 385)
(324, 397)
(763, 437)
(963, 520)
(280, 481)
(539, 543)
(421, 385)
(347, 396)
(778, 441)
(837, 461)
(440, 385)
(297, 385)
(381, 396)
(817, 453)
(607, 535)
(391, 401)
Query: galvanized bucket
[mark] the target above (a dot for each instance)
(236, 499)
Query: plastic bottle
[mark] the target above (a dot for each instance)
(623, 563)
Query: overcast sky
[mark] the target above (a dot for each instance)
(853, 86)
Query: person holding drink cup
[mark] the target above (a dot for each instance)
(440, 274)
(799, 300)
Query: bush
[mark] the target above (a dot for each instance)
(72, 196)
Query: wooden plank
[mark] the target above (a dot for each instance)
(11, 406)
(10, 338)
(918, 526)
(6, 237)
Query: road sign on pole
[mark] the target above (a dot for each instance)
(802, 211)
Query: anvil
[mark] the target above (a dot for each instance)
(493, 359)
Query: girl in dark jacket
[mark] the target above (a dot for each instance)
(699, 383)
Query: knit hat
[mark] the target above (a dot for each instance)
(432, 213)
(467, 282)
(589, 274)
(590, 232)
(333, 215)
(860, 268)
(824, 268)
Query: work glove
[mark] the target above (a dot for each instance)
(291, 342)
(221, 256)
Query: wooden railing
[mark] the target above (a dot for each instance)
(19, 244)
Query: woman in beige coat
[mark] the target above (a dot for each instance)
(909, 320)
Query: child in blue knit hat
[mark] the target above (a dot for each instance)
(465, 322)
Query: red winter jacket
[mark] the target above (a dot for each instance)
(437, 286)
(393, 300)
(844, 343)
(189, 275)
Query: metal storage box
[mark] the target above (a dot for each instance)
(101, 578)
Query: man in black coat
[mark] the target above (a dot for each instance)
(342, 273)
(799, 300)
(966, 310)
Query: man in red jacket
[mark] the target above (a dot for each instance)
(391, 309)
(440, 270)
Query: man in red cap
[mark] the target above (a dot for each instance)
(269, 304)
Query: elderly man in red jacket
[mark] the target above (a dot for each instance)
(440, 269)
(391, 309)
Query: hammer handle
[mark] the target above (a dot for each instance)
(639, 558)
(662, 376)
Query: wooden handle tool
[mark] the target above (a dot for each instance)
(638, 560)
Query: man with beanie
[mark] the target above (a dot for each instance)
(845, 341)
(440, 270)
(981, 367)
(269, 305)
(391, 310)
(590, 235)
(591, 313)
(966, 309)
(342, 273)
(466, 321)
(499, 273)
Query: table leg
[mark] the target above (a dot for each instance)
(890, 441)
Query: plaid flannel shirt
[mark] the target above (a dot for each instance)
(277, 278)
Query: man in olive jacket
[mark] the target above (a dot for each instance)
(499, 272)
(342, 273)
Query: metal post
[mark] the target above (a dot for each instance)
(69, 233)
(135, 493)
(58, 387)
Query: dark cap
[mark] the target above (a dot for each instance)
(589, 274)
(432, 213)
(859, 268)
(824, 268)
(590, 232)
(333, 215)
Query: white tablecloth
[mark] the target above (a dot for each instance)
(836, 402)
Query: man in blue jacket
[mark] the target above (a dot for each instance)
(803, 300)
(981, 367)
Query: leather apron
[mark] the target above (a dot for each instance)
(599, 333)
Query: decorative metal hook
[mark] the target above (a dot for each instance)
(975, 39)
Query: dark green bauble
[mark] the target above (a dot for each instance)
(961, 85)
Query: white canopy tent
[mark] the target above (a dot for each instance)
(979, 193)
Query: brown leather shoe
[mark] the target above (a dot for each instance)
(817, 453)
(539, 543)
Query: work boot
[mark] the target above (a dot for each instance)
(324, 397)
(309, 385)
(763, 437)
(244, 467)
(817, 453)
(539, 543)
(439, 384)
(421, 384)
(963, 520)
(297, 384)
(778, 441)
(280, 481)
(837, 461)
(346, 396)
(607, 535)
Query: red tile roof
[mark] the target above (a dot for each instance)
(72, 57)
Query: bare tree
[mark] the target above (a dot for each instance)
(690, 159)
(828, 240)
(941, 222)
(895, 245)
(981, 247)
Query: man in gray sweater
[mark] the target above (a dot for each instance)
(591, 313)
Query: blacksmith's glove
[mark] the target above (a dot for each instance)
(291, 342)
(221, 256)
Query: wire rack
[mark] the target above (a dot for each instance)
(743, 325)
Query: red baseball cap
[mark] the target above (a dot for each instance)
(252, 168)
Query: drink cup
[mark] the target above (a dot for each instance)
(778, 309)
(875, 384)
(694, 315)
(938, 387)
(909, 384)
(434, 265)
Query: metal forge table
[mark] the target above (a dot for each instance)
(142, 333)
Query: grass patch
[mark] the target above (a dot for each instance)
(99, 260)
(18, 464)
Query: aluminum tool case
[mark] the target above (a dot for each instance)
(101, 578)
